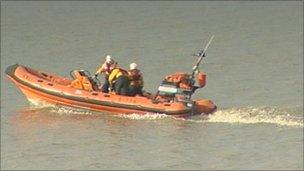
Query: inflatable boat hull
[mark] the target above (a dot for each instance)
(45, 87)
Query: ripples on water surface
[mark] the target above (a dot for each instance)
(52, 134)
(45, 136)
(254, 70)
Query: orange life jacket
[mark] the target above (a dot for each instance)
(136, 78)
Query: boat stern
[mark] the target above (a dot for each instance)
(205, 106)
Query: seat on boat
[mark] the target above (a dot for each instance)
(82, 81)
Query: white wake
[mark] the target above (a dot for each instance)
(255, 115)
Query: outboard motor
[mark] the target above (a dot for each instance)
(180, 86)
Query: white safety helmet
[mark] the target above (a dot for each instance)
(133, 66)
(109, 59)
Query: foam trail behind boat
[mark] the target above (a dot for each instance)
(253, 115)
(292, 116)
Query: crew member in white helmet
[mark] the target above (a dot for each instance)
(106, 68)
(136, 80)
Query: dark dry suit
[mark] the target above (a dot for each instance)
(119, 80)
(136, 82)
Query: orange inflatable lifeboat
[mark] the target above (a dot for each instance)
(82, 92)
(172, 98)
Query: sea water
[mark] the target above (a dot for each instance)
(254, 70)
